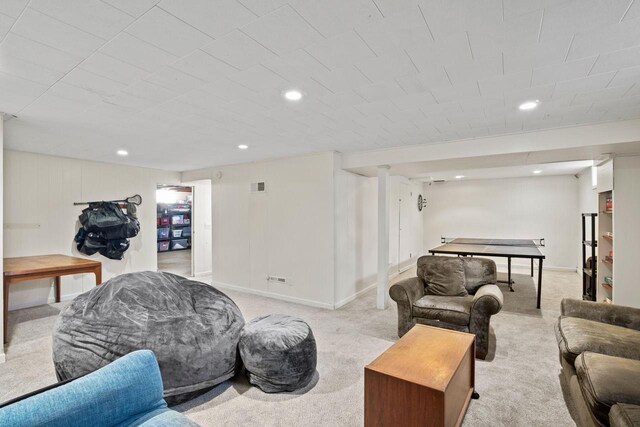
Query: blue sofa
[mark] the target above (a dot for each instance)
(127, 392)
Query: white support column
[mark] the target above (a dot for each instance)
(383, 236)
(2, 355)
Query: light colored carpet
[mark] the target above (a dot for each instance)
(518, 384)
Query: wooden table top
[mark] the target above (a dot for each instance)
(425, 355)
(45, 263)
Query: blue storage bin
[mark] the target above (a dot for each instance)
(186, 232)
(163, 233)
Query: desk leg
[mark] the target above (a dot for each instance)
(6, 310)
(98, 273)
(57, 289)
(509, 274)
(539, 282)
(531, 267)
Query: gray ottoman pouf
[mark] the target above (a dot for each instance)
(192, 328)
(278, 352)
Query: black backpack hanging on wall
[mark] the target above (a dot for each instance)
(106, 229)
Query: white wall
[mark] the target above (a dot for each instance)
(536, 207)
(287, 231)
(356, 222)
(587, 198)
(40, 217)
(626, 230)
(293, 230)
(357, 231)
(587, 194)
(2, 356)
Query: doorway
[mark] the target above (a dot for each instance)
(174, 229)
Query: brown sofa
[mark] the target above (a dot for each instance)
(600, 356)
(456, 293)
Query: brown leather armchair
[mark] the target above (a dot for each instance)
(476, 297)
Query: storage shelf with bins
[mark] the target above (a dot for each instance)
(174, 227)
(589, 270)
(605, 249)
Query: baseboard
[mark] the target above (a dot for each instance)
(406, 267)
(3, 358)
(403, 269)
(203, 273)
(50, 300)
(535, 268)
(552, 268)
(353, 297)
(272, 295)
(392, 275)
(394, 271)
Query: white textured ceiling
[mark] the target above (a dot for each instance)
(180, 84)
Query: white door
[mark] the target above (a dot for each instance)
(404, 224)
(201, 228)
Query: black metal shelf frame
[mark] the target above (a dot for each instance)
(589, 270)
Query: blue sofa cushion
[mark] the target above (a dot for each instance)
(121, 393)
(163, 417)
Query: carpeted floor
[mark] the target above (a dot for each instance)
(518, 383)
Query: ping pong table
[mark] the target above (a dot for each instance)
(504, 248)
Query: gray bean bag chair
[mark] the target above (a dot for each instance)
(192, 328)
(278, 352)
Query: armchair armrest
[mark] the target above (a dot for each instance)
(488, 300)
(618, 315)
(407, 290)
(405, 293)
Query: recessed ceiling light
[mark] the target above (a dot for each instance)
(243, 146)
(292, 95)
(122, 153)
(537, 172)
(529, 105)
(459, 176)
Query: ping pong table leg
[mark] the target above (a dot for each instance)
(539, 282)
(509, 274)
(531, 267)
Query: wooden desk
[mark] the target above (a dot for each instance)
(425, 379)
(39, 267)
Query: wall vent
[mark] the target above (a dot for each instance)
(277, 279)
(258, 187)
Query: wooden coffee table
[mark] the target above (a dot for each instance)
(40, 267)
(425, 379)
